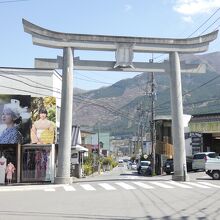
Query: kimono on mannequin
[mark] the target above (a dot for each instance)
(3, 162)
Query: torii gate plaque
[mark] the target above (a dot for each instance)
(124, 48)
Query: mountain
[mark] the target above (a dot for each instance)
(114, 108)
(77, 91)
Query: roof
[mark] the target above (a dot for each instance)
(205, 117)
(75, 135)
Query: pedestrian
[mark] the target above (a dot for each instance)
(10, 169)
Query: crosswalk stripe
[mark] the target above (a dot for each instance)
(49, 190)
(162, 185)
(111, 186)
(209, 184)
(181, 185)
(107, 186)
(125, 185)
(69, 188)
(198, 185)
(88, 187)
(143, 185)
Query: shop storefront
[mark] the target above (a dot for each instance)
(10, 154)
(38, 163)
(27, 138)
(208, 125)
(30, 144)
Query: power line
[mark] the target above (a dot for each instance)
(13, 1)
(204, 22)
(210, 25)
(188, 92)
(108, 107)
(198, 29)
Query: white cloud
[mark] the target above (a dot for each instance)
(128, 7)
(187, 19)
(192, 7)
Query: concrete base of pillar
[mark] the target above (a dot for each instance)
(180, 178)
(63, 180)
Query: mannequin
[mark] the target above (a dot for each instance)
(3, 162)
(10, 169)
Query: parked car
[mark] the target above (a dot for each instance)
(144, 168)
(134, 166)
(169, 167)
(212, 167)
(120, 163)
(199, 159)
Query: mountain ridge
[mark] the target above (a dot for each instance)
(114, 108)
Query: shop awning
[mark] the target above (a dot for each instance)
(79, 148)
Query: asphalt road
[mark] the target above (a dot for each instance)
(120, 194)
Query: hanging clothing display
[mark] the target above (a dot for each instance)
(3, 162)
(36, 164)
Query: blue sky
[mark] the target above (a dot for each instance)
(144, 18)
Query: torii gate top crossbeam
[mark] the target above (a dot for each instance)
(48, 38)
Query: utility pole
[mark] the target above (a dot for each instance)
(99, 165)
(153, 130)
(140, 128)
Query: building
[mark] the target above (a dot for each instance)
(27, 91)
(164, 140)
(208, 128)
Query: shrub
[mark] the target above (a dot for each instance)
(87, 169)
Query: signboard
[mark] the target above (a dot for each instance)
(205, 127)
(43, 120)
(15, 119)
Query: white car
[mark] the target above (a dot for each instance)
(134, 166)
(120, 163)
(199, 159)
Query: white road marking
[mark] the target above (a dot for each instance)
(181, 185)
(88, 187)
(107, 186)
(49, 190)
(209, 184)
(143, 185)
(111, 186)
(69, 188)
(198, 185)
(125, 185)
(162, 185)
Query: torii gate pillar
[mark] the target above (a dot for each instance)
(180, 172)
(63, 173)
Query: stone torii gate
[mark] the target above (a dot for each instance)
(124, 48)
